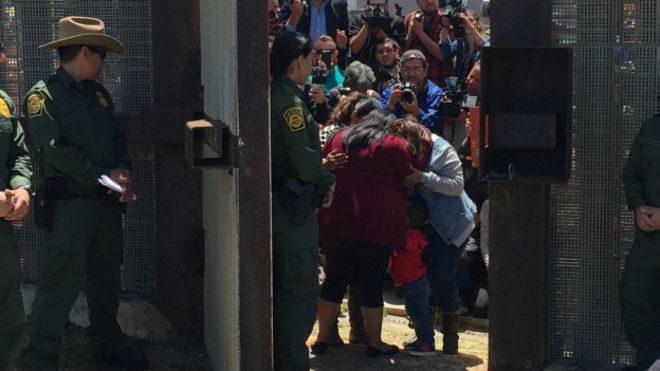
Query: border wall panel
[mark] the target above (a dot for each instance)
(616, 87)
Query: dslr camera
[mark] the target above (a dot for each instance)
(377, 19)
(454, 8)
(344, 91)
(419, 16)
(408, 91)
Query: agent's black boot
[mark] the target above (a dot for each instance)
(450, 333)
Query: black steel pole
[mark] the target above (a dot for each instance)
(519, 216)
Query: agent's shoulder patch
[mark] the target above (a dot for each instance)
(35, 105)
(103, 101)
(4, 109)
(294, 118)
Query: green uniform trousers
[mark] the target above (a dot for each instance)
(12, 318)
(86, 242)
(295, 288)
(640, 297)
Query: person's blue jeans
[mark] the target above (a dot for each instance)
(441, 272)
(417, 295)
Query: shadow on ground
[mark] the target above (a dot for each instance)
(175, 354)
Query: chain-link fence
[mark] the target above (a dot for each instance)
(26, 24)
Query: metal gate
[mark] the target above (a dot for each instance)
(616, 46)
(26, 24)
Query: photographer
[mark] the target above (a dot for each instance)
(326, 71)
(374, 24)
(358, 77)
(468, 52)
(417, 96)
(423, 33)
(386, 66)
(325, 76)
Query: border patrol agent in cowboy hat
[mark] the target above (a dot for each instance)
(74, 128)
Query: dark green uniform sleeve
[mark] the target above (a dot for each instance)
(45, 130)
(303, 148)
(19, 167)
(18, 159)
(120, 142)
(633, 180)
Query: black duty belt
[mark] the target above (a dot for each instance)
(63, 188)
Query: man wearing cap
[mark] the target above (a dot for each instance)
(300, 186)
(425, 98)
(72, 121)
(15, 177)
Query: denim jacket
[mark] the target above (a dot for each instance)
(450, 216)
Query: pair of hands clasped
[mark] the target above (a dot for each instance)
(125, 178)
(14, 204)
(648, 218)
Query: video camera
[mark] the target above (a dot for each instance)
(378, 18)
(453, 98)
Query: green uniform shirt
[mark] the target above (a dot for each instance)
(75, 125)
(17, 171)
(295, 144)
(641, 174)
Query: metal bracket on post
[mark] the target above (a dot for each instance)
(210, 144)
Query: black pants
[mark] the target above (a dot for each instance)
(350, 260)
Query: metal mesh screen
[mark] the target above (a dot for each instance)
(26, 24)
(616, 46)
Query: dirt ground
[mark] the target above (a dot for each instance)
(180, 354)
(175, 354)
(473, 352)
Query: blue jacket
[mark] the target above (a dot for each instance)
(450, 215)
(428, 105)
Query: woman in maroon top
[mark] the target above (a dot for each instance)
(366, 221)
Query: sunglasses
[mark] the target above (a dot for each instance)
(100, 51)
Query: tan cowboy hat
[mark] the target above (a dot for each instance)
(84, 31)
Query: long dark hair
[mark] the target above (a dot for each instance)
(366, 106)
(373, 126)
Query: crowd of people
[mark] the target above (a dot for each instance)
(359, 133)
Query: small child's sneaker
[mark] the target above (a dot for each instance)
(408, 344)
(421, 350)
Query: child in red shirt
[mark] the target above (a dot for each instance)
(409, 271)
